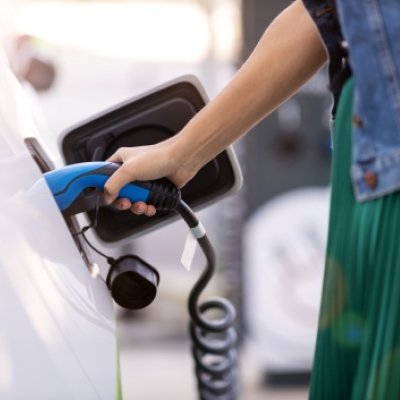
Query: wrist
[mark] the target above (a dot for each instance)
(186, 150)
(179, 167)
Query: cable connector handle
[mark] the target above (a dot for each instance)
(164, 195)
(69, 184)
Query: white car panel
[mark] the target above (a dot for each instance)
(57, 335)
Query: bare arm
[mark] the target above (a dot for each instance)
(288, 54)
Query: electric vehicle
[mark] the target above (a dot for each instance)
(58, 337)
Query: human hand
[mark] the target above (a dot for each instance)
(141, 164)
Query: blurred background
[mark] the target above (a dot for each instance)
(78, 58)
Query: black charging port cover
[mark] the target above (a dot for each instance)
(132, 282)
(147, 119)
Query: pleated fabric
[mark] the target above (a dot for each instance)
(357, 353)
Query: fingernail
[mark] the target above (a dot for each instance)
(108, 200)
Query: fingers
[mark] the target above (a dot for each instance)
(143, 208)
(114, 184)
(138, 164)
(137, 208)
(122, 204)
(123, 174)
(116, 157)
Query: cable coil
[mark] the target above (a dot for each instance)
(213, 339)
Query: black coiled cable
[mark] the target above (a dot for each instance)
(213, 340)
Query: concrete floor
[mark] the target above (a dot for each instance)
(164, 371)
(156, 364)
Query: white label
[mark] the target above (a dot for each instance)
(189, 251)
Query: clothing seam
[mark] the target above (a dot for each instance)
(385, 58)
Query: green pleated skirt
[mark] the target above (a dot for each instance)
(357, 353)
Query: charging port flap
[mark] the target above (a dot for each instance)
(143, 120)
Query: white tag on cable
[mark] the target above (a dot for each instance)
(189, 251)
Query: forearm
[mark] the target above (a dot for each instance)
(288, 54)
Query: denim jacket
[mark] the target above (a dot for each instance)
(371, 29)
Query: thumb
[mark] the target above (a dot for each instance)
(116, 157)
(116, 182)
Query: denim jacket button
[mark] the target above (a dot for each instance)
(357, 121)
(371, 179)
